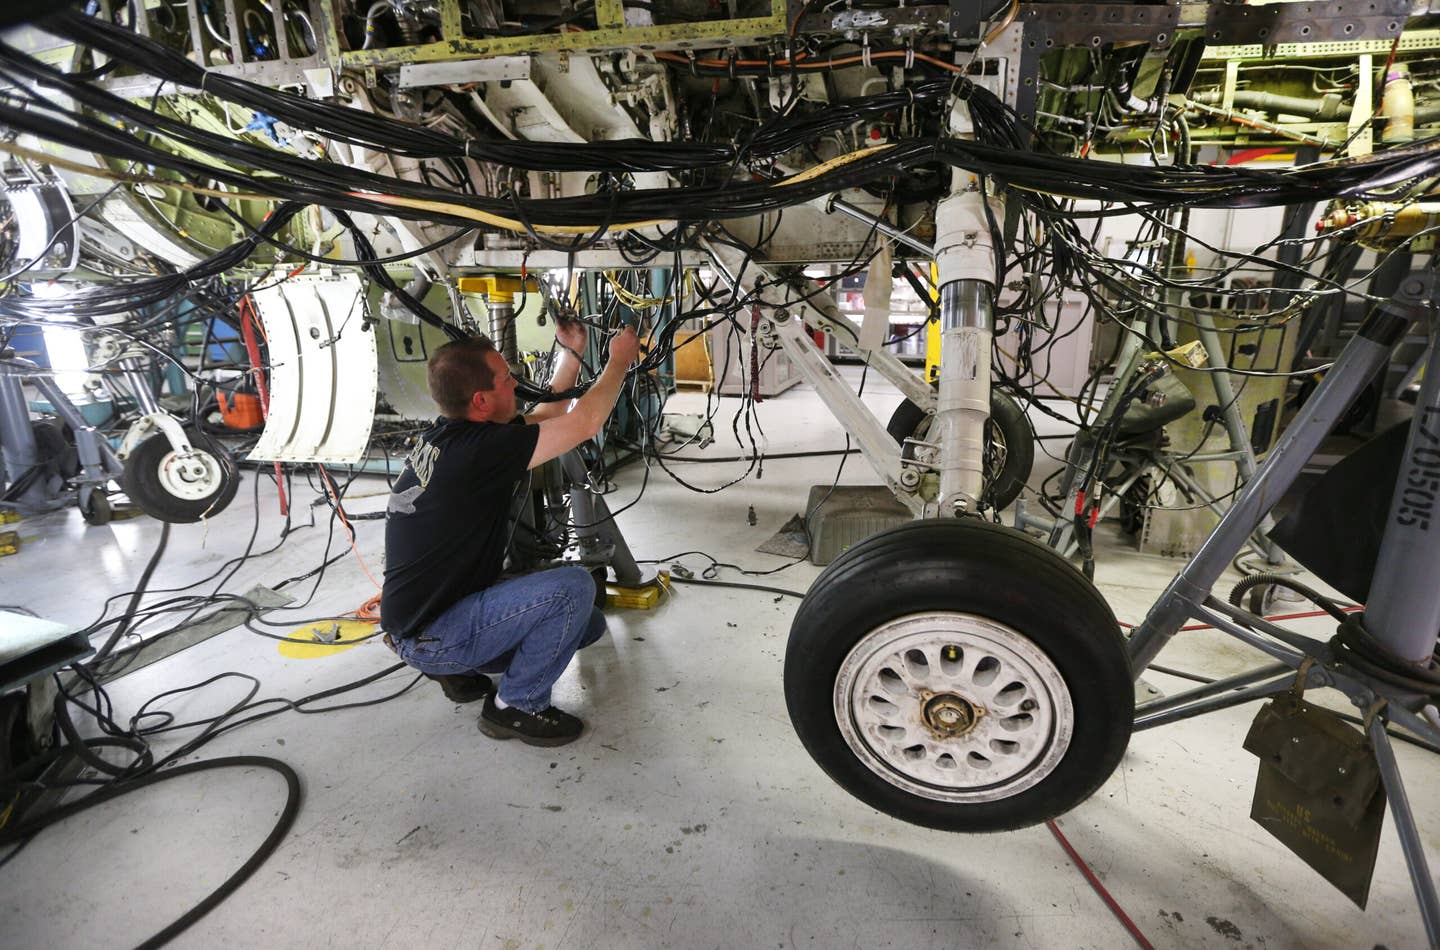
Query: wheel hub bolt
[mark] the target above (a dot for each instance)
(950, 715)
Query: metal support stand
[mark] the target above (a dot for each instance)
(1240, 452)
(1410, 841)
(1365, 353)
(1403, 613)
(1148, 714)
(17, 439)
(601, 542)
(1062, 530)
(98, 463)
(1411, 550)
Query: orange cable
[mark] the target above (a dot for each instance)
(370, 610)
(366, 609)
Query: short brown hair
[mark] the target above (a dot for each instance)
(457, 371)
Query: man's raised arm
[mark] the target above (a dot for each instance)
(561, 433)
(570, 334)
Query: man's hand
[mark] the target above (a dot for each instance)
(571, 335)
(562, 433)
(624, 346)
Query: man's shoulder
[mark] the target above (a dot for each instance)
(470, 427)
(470, 443)
(495, 432)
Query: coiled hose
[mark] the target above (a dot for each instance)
(1353, 643)
(1246, 584)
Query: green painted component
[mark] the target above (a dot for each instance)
(1412, 40)
(747, 31)
(529, 334)
(450, 25)
(204, 230)
(198, 218)
(328, 29)
(609, 13)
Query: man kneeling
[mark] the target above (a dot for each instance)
(448, 528)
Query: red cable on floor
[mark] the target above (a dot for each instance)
(1074, 855)
(1278, 617)
(1309, 613)
(1099, 888)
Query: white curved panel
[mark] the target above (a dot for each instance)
(322, 370)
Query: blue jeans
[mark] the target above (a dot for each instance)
(527, 628)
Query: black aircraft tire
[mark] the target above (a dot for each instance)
(967, 596)
(97, 510)
(1006, 418)
(152, 481)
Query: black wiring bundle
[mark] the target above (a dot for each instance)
(358, 127)
(81, 687)
(128, 296)
(1026, 171)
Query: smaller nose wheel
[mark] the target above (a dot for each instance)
(1009, 444)
(181, 488)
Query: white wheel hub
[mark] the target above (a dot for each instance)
(191, 477)
(953, 707)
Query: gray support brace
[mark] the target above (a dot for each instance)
(17, 438)
(1403, 609)
(1062, 529)
(600, 539)
(1359, 361)
(1411, 843)
(1235, 430)
(820, 311)
(97, 460)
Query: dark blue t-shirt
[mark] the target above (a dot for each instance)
(448, 520)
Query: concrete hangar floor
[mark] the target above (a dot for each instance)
(688, 815)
